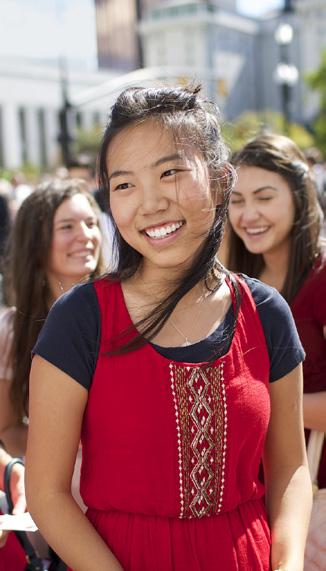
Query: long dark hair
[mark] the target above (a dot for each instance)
(280, 154)
(194, 123)
(28, 254)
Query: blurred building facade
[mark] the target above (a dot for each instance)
(235, 57)
(30, 101)
(118, 44)
(206, 36)
(240, 52)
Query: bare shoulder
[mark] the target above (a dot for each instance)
(6, 335)
(6, 318)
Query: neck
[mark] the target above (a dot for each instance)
(276, 267)
(158, 282)
(59, 285)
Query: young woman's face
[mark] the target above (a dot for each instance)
(76, 240)
(261, 210)
(160, 198)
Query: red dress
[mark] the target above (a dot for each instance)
(309, 312)
(171, 451)
(12, 555)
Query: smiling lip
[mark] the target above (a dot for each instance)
(81, 254)
(257, 231)
(163, 231)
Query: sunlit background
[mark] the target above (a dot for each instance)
(62, 62)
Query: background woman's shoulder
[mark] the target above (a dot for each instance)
(6, 335)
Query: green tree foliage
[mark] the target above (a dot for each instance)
(250, 124)
(317, 82)
(87, 142)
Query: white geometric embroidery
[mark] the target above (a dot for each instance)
(201, 421)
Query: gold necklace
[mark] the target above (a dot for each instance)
(206, 292)
(187, 341)
(201, 299)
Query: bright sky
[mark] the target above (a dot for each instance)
(54, 28)
(257, 7)
(49, 29)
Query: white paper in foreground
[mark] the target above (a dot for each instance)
(21, 522)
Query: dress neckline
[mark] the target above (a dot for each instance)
(150, 347)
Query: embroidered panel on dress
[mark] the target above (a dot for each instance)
(201, 420)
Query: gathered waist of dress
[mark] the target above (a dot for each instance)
(230, 540)
(93, 512)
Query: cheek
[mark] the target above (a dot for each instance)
(60, 244)
(97, 236)
(195, 202)
(55, 254)
(122, 213)
(291, 210)
(233, 216)
(283, 213)
(56, 246)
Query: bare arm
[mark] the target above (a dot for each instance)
(57, 404)
(314, 407)
(12, 433)
(288, 485)
(7, 416)
(314, 411)
(16, 486)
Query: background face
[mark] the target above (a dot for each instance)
(262, 210)
(76, 240)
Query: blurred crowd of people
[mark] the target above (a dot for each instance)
(18, 187)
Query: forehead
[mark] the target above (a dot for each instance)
(140, 145)
(251, 178)
(77, 205)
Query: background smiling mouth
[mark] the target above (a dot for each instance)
(257, 231)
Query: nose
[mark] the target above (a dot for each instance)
(250, 213)
(84, 232)
(153, 199)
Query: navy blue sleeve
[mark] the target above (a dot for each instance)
(70, 336)
(282, 339)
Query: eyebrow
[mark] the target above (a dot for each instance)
(61, 220)
(162, 160)
(260, 189)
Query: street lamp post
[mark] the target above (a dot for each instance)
(286, 74)
(65, 139)
(139, 14)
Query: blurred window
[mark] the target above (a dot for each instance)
(23, 134)
(42, 137)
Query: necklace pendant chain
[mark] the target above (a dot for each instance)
(198, 303)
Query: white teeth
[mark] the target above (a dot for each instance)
(163, 231)
(81, 254)
(257, 230)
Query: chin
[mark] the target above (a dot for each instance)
(256, 251)
(255, 248)
(81, 274)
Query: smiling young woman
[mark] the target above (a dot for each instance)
(165, 371)
(275, 223)
(55, 243)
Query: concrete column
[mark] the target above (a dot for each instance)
(11, 136)
(52, 132)
(33, 136)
